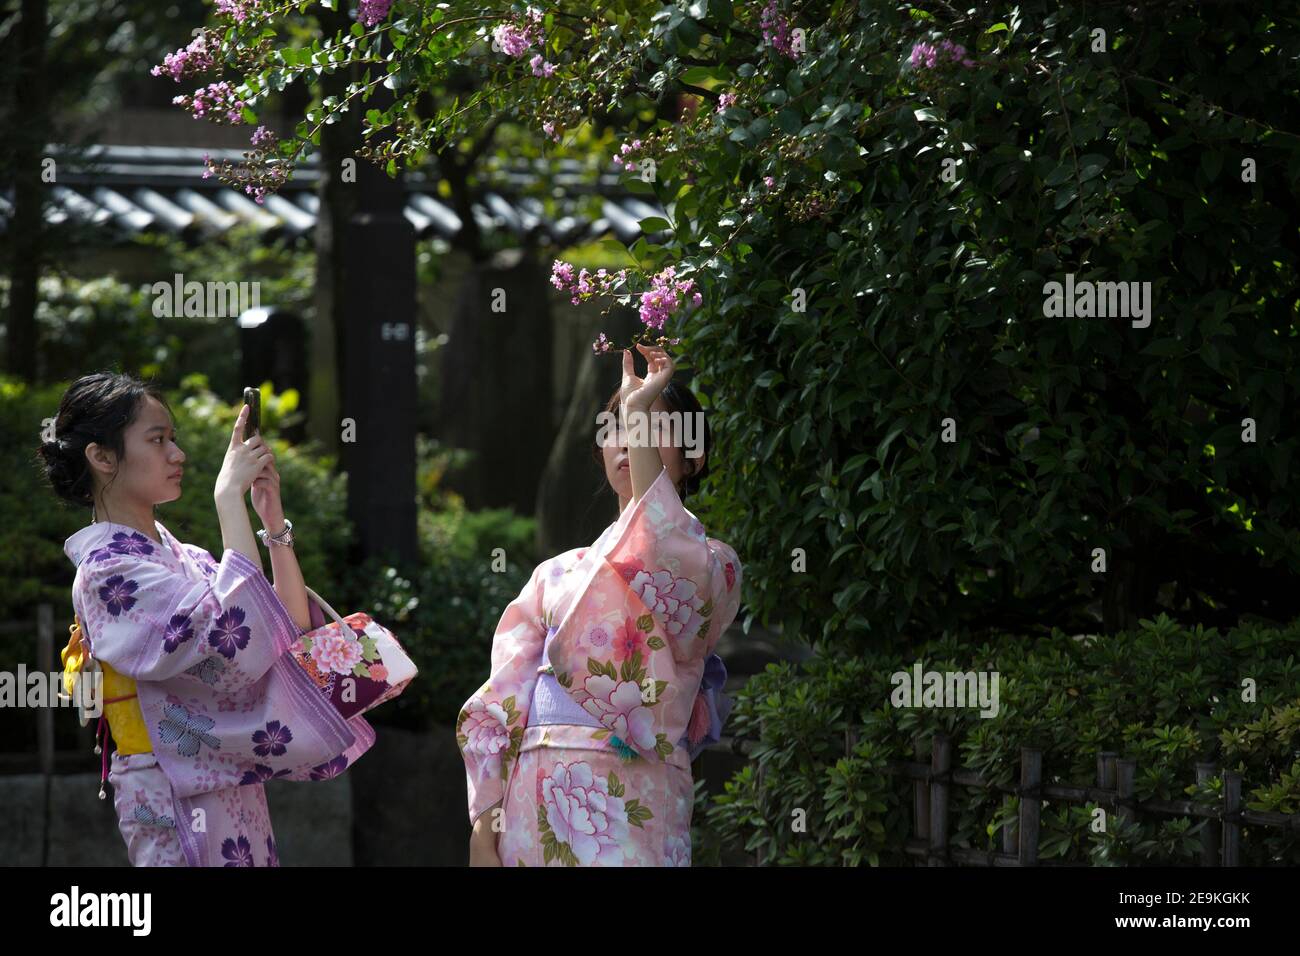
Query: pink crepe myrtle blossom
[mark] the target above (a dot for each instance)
(195, 58)
(625, 157)
(725, 102)
(371, 12)
(664, 297)
(583, 285)
(217, 101)
(776, 30)
(551, 131)
(263, 137)
(930, 56)
(541, 67)
(516, 37)
(237, 10)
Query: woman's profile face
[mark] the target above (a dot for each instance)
(615, 454)
(150, 470)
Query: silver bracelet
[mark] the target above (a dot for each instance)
(284, 538)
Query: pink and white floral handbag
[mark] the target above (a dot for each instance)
(355, 660)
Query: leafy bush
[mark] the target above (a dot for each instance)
(1165, 695)
(444, 613)
(924, 303)
(872, 215)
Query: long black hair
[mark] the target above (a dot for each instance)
(96, 408)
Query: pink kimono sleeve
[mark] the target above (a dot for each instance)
(152, 623)
(689, 583)
(490, 727)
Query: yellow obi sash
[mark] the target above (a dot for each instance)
(121, 707)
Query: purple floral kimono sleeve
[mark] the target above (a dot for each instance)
(490, 726)
(153, 624)
(225, 706)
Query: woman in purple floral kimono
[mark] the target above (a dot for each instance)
(221, 707)
(603, 685)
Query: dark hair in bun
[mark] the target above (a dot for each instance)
(96, 408)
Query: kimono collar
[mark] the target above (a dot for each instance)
(119, 538)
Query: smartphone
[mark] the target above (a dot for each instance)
(253, 399)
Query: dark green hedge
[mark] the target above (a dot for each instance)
(1162, 694)
(925, 302)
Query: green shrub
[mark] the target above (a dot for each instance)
(1164, 695)
(444, 613)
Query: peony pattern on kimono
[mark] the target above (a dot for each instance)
(491, 731)
(584, 817)
(624, 629)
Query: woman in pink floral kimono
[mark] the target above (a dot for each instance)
(213, 707)
(578, 747)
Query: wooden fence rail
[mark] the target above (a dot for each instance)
(1114, 790)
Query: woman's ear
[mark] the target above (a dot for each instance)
(100, 459)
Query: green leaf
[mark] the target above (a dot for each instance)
(799, 433)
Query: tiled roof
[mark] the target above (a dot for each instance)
(138, 189)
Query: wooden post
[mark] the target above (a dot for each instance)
(1106, 769)
(1211, 835)
(1106, 777)
(1031, 776)
(1125, 770)
(940, 764)
(1231, 823)
(1010, 834)
(45, 661)
(920, 796)
(45, 721)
